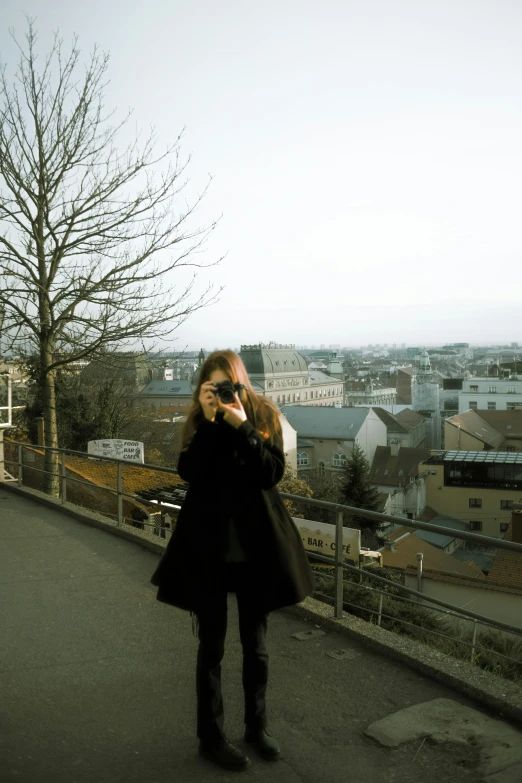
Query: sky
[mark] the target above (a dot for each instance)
(366, 157)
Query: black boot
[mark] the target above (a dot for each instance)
(223, 753)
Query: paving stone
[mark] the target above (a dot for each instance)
(445, 720)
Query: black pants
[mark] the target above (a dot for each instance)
(212, 628)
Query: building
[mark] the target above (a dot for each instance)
(491, 394)
(405, 429)
(335, 368)
(282, 374)
(369, 392)
(402, 548)
(404, 381)
(488, 430)
(425, 399)
(475, 486)
(326, 437)
(389, 472)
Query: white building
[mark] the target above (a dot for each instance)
(491, 394)
(326, 436)
(425, 398)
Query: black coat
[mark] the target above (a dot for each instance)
(233, 471)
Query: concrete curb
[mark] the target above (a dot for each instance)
(502, 696)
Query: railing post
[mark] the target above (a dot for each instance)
(20, 465)
(420, 556)
(474, 641)
(379, 616)
(339, 571)
(64, 480)
(120, 489)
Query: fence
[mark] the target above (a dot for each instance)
(410, 596)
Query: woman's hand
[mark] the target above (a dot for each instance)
(234, 413)
(208, 400)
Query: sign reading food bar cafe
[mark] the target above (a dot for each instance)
(117, 448)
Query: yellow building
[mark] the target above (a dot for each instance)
(475, 486)
(477, 430)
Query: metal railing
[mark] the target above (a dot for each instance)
(413, 596)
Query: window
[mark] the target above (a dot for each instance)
(504, 526)
(279, 398)
(511, 390)
(506, 504)
(511, 448)
(492, 406)
(510, 406)
(322, 467)
(492, 390)
(475, 525)
(473, 406)
(302, 458)
(386, 472)
(339, 460)
(401, 473)
(473, 388)
(475, 502)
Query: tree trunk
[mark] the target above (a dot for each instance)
(51, 460)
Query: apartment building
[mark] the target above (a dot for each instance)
(326, 436)
(491, 394)
(475, 486)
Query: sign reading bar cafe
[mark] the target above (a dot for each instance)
(320, 537)
(117, 448)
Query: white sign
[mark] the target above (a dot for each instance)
(320, 537)
(131, 450)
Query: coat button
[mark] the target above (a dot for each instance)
(253, 441)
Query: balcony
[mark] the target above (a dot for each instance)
(99, 678)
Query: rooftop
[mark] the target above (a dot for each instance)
(404, 550)
(316, 421)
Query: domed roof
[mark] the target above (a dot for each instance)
(271, 358)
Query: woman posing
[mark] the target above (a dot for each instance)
(233, 534)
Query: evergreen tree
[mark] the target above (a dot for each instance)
(356, 490)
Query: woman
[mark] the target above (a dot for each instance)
(233, 534)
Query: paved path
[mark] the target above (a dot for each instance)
(97, 678)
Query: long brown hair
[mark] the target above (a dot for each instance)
(260, 411)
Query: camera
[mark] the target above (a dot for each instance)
(225, 391)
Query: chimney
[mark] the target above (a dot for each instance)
(516, 522)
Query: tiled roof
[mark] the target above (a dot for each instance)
(318, 378)
(401, 467)
(407, 545)
(507, 423)
(409, 419)
(439, 540)
(475, 424)
(389, 419)
(507, 566)
(315, 421)
(135, 478)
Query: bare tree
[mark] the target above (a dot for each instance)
(88, 233)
